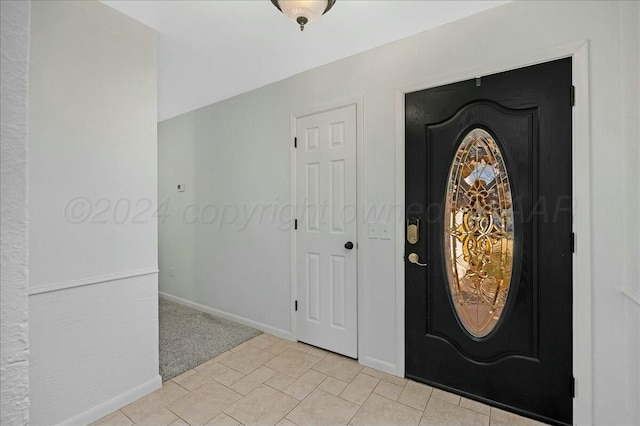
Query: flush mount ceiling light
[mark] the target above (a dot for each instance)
(303, 11)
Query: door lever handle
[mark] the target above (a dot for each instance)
(415, 259)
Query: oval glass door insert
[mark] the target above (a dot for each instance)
(479, 233)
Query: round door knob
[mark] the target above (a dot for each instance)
(348, 245)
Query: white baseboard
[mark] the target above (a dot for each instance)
(284, 334)
(113, 404)
(377, 364)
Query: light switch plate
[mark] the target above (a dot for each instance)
(385, 231)
(373, 230)
(181, 187)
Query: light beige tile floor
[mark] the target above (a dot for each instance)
(271, 381)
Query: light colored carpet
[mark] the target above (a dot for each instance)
(189, 337)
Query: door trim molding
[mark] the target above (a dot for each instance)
(358, 101)
(581, 160)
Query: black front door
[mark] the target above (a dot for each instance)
(488, 244)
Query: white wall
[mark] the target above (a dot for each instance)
(14, 339)
(92, 236)
(629, 86)
(236, 153)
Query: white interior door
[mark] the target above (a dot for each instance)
(326, 228)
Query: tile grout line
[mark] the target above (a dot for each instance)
(359, 407)
(426, 405)
(125, 414)
(175, 414)
(293, 408)
(227, 414)
(182, 387)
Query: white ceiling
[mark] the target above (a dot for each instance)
(212, 50)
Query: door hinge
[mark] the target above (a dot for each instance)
(573, 242)
(573, 95)
(573, 387)
(295, 142)
(296, 305)
(295, 224)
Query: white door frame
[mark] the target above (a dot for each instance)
(581, 157)
(358, 101)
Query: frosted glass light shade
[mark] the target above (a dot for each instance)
(303, 11)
